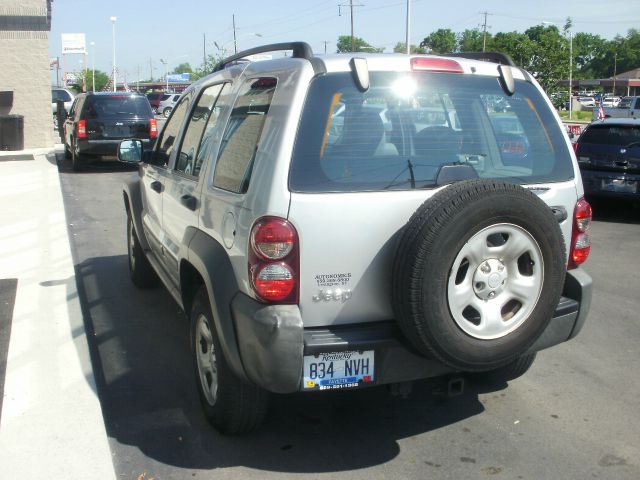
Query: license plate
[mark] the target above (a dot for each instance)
(620, 185)
(335, 370)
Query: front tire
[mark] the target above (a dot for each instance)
(140, 270)
(233, 406)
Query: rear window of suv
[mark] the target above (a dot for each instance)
(400, 132)
(117, 106)
(606, 134)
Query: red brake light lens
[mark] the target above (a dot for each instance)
(274, 260)
(580, 241)
(274, 281)
(583, 215)
(436, 65)
(81, 131)
(272, 239)
(153, 128)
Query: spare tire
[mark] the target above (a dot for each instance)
(478, 273)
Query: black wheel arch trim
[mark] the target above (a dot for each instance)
(211, 261)
(132, 197)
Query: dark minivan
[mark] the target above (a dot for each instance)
(608, 154)
(98, 121)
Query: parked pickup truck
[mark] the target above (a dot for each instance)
(628, 107)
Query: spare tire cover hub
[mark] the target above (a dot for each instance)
(495, 281)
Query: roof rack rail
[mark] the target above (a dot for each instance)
(495, 57)
(300, 50)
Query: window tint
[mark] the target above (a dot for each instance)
(169, 133)
(240, 139)
(611, 135)
(399, 133)
(193, 141)
(117, 106)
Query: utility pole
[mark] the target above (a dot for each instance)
(325, 45)
(150, 69)
(350, 5)
(484, 30)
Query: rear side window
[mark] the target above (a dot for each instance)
(116, 106)
(240, 139)
(399, 133)
(604, 134)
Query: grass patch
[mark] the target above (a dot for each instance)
(576, 115)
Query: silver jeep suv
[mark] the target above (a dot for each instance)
(353, 220)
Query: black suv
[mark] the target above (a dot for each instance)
(608, 154)
(98, 121)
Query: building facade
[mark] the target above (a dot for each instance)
(24, 57)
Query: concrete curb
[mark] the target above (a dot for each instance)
(52, 423)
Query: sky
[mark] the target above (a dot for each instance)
(180, 31)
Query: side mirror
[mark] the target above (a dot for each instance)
(130, 151)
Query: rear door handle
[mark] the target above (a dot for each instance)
(189, 201)
(157, 186)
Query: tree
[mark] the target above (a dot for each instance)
(442, 40)
(183, 68)
(549, 60)
(587, 48)
(401, 47)
(101, 80)
(344, 45)
(517, 45)
(472, 40)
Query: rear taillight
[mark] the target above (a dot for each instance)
(81, 129)
(426, 64)
(274, 260)
(575, 147)
(153, 128)
(580, 241)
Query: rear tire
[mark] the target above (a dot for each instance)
(77, 160)
(511, 371)
(140, 270)
(233, 406)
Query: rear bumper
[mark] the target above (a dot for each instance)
(103, 147)
(611, 184)
(272, 340)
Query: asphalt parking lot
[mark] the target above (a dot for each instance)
(575, 415)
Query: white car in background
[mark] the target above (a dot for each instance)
(167, 103)
(587, 101)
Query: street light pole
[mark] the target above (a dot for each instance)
(166, 74)
(93, 65)
(570, 73)
(235, 44)
(408, 26)
(113, 35)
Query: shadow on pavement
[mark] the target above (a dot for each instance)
(615, 210)
(140, 346)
